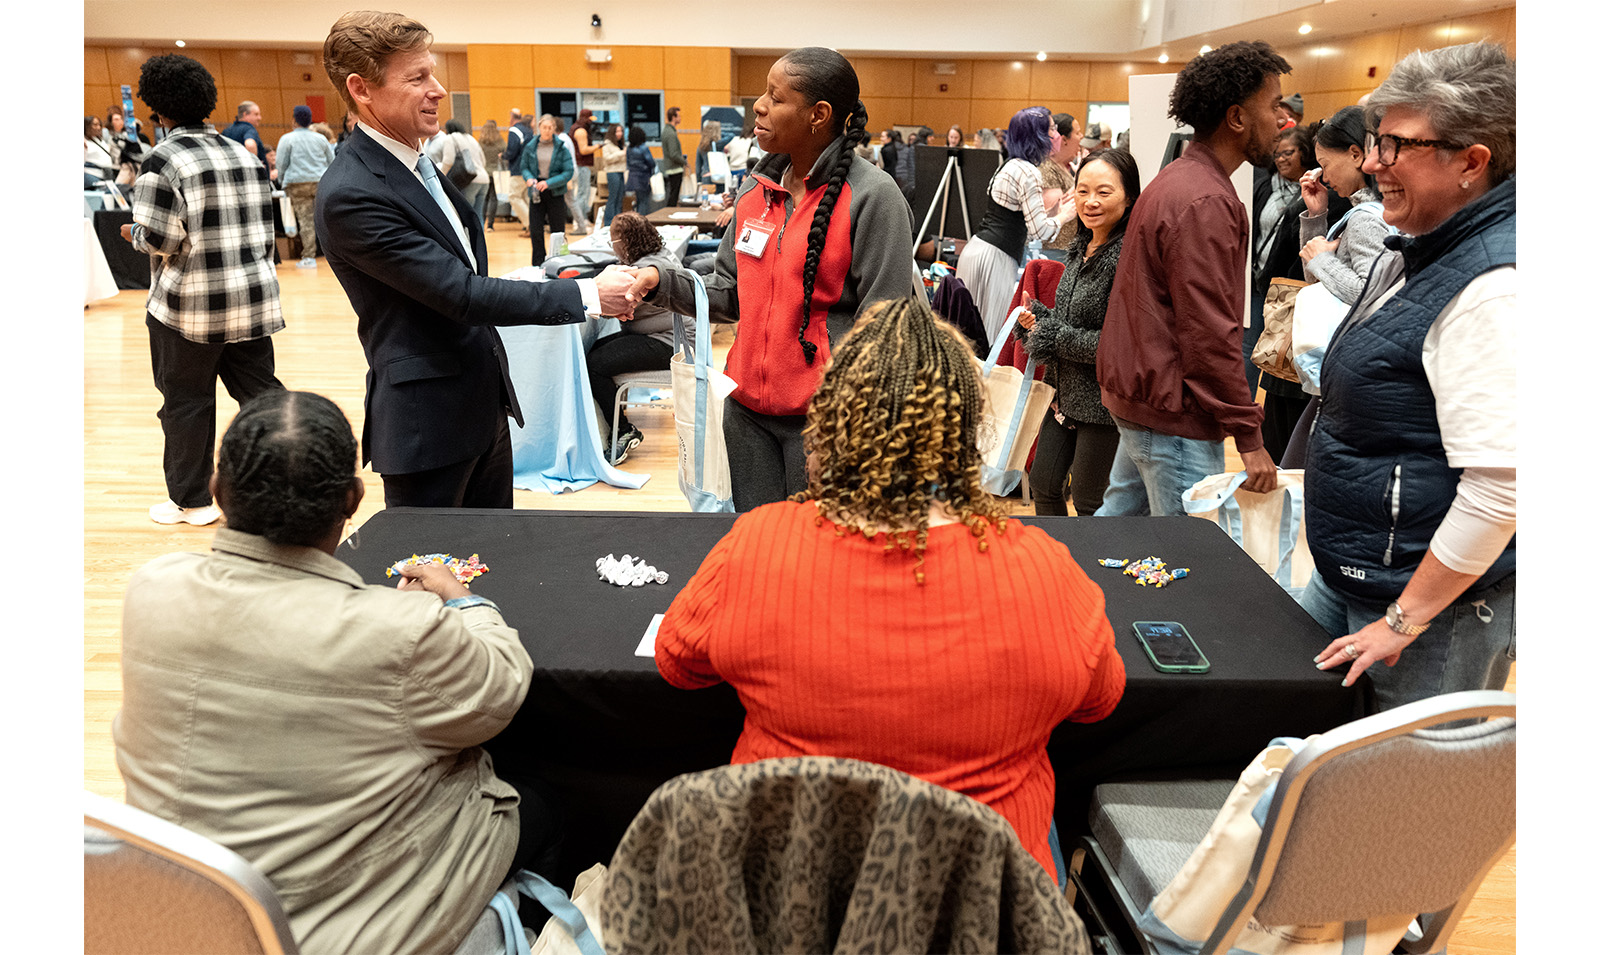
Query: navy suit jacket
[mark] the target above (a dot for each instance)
(437, 381)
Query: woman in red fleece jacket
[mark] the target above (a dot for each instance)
(893, 614)
(818, 234)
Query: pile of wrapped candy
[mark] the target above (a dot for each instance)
(624, 572)
(1150, 572)
(465, 570)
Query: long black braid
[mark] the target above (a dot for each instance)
(286, 466)
(823, 75)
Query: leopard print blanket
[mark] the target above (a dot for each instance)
(816, 854)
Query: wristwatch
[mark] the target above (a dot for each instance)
(1396, 619)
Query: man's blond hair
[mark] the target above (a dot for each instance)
(361, 43)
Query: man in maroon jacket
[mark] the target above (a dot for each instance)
(1171, 365)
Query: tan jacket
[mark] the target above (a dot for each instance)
(324, 730)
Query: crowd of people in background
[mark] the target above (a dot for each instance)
(855, 416)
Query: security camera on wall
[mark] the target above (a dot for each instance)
(594, 20)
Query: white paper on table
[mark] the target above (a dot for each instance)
(684, 215)
(647, 644)
(721, 385)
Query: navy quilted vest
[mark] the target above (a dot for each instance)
(1377, 482)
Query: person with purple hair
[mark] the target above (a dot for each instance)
(1017, 213)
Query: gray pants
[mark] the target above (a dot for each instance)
(766, 456)
(1470, 645)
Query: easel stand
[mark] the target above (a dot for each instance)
(951, 171)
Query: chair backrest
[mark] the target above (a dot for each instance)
(152, 886)
(823, 854)
(1388, 815)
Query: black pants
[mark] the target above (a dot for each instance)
(674, 181)
(1073, 458)
(766, 456)
(619, 353)
(186, 374)
(483, 481)
(1282, 414)
(545, 208)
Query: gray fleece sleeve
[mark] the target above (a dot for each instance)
(1345, 269)
(676, 290)
(882, 262)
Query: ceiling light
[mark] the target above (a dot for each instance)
(1205, 48)
(1040, 56)
(181, 43)
(1305, 28)
(1016, 64)
(1162, 58)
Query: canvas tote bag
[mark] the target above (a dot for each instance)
(1014, 407)
(1185, 913)
(697, 413)
(1269, 527)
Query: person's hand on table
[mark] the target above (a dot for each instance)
(1376, 641)
(1262, 473)
(615, 284)
(434, 578)
(1314, 193)
(1316, 247)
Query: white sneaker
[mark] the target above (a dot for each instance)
(309, 262)
(169, 513)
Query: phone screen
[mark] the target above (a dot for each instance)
(1170, 644)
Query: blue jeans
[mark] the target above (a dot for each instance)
(614, 190)
(578, 192)
(1470, 645)
(474, 192)
(1152, 470)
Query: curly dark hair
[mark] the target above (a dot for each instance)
(1230, 74)
(633, 237)
(819, 75)
(178, 88)
(894, 427)
(286, 466)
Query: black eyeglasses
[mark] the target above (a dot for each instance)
(1388, 147)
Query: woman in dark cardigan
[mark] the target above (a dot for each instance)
(1078, 440)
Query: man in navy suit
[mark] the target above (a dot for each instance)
(410, 254)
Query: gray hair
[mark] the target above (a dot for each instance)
(1468, 93)
(244, 107)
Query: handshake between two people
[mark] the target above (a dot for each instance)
(622, 287)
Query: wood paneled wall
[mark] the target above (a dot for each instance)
(276, 80)
(1334, 74)
(505, 75)
(905, 91)
(1328, 75)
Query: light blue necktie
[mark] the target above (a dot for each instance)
(430, 178)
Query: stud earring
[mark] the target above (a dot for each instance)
(1465, 184)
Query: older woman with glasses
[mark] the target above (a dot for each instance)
(1411, 477)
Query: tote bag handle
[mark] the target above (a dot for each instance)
(1232, 519)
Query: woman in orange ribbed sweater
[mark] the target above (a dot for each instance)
(890, 613)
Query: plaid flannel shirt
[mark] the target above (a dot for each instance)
(202, 209)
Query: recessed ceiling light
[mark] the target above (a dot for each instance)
(1205, 48)
(181, 43)
(1162, 58)
(1305, 28)
(1040, 56)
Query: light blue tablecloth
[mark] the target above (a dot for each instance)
(560, 449)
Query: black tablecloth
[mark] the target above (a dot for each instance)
(603, 729)
(130, 267)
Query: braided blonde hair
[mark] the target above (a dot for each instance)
(893, 428)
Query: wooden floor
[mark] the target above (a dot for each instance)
(318, 351)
